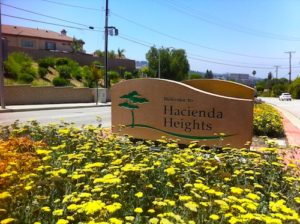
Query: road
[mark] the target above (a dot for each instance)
(80, 116)
(291, 106)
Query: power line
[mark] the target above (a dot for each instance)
(52, 17)
(199, 57)
(55, 24)
(233, 27)
(73, 6)
(191, 43)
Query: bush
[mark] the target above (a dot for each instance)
(295, 88)
(128, 75)
(59, 81)
(113, 76)
(42, 72)
(56, 173)
(64, 71)
(19, 63)
(25, 78)
(62, 61)
(267, 121)
(47, 62)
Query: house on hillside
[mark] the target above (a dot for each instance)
(37, 39)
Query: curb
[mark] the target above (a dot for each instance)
(51, 108)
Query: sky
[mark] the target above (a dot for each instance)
(225, 36)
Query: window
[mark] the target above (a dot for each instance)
(27, 43)
(50, 46)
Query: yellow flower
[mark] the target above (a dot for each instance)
(115, 196)
(46, 209)
(7, 221)
(115, 221)
(191, 206)
(297, 200)
(151, 210)
(170, 171)
(253, 196)
(138, 210)
(153, 220)
(214, 217)
(236, 190)
(139, 194)
(5, 195)
(62, 221)
(185, 198)
(113, 207)
(129, 218)
(58, 212)
(92, 207)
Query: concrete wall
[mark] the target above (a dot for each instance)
(82, 59)
(26, 94)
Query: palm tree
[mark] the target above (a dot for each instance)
(121, 53)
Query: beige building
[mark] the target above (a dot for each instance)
(38, 39)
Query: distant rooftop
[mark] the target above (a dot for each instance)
(35, 32)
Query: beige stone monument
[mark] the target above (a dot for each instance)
(212, 112)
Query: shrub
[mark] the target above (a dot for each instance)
(19, 63)
(59, 81)
(295, 88)
(267, 121)
(89, 174)
(42, 72)
(128, 75)
(25, 78)
(61, 61)
(64, 71)
(47, 62)
(113, 76)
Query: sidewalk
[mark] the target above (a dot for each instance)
(19, 108)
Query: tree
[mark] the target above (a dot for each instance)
(111, 54)
(132, 98)
(173, 63)
(121, 54)
(99, 53)
(209, 74)
(270, 76)
(77, 45)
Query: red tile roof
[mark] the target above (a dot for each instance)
(31, 32)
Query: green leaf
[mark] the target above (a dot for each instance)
(139, 100)
(130, 95)
(128, 106)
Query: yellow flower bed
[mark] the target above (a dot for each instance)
(91, 176)
(267, 121)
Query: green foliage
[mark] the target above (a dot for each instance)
(25, 78)
(113, 76)
(173, 63)
(194, 75)
(19, 66)
(77, 45)
(99, 53)
(47, 62)
(59, 81)
(62, 61)
(56, 173)
(267, 121)
(64, 71)
(42, 72)
(295, 88)
(128, 75)
(209, 74)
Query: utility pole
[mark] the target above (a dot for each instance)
(106, 46)
(276, 66)
(1, 65)
(290, 63)
(159, 63)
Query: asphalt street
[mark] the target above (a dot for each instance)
(291, 106)
(79, 116)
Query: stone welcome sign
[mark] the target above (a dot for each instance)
(212, 112)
